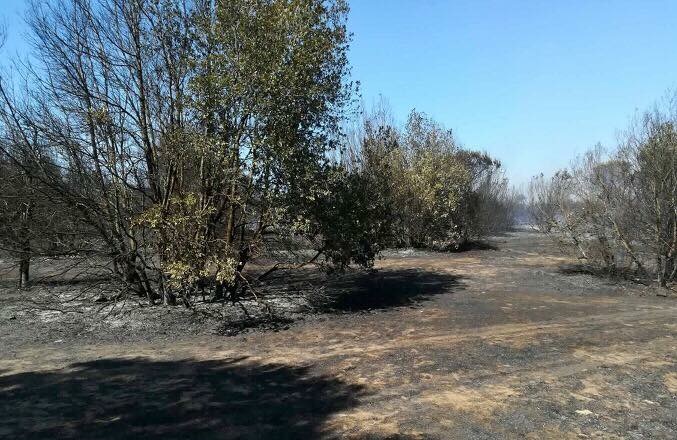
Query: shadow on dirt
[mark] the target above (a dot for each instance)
(480, 245)
(54, 281)
(579, 269)
(352, 292)
(139, 398)
(602, 273)
(384, 289)
(273, 322)
(81, 280)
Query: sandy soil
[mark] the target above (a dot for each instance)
(506, 342)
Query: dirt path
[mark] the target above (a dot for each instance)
(488, 344)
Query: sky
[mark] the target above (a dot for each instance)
(533, 82)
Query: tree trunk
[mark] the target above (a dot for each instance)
(660, 270)
(25, 255)
(24, 272)
(168, 298)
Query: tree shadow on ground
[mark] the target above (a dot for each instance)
(624, 274)
(185, 399)
(384, 289)
(81, 280)
(273, 322)
(107, 282)
(579, 269)
(477, 245)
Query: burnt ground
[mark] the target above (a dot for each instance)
(506, 341)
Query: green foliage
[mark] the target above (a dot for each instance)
(439, 193)
(435, 183)
(353, 219)
(187, 251)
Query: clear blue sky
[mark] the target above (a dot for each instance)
(532, 82)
